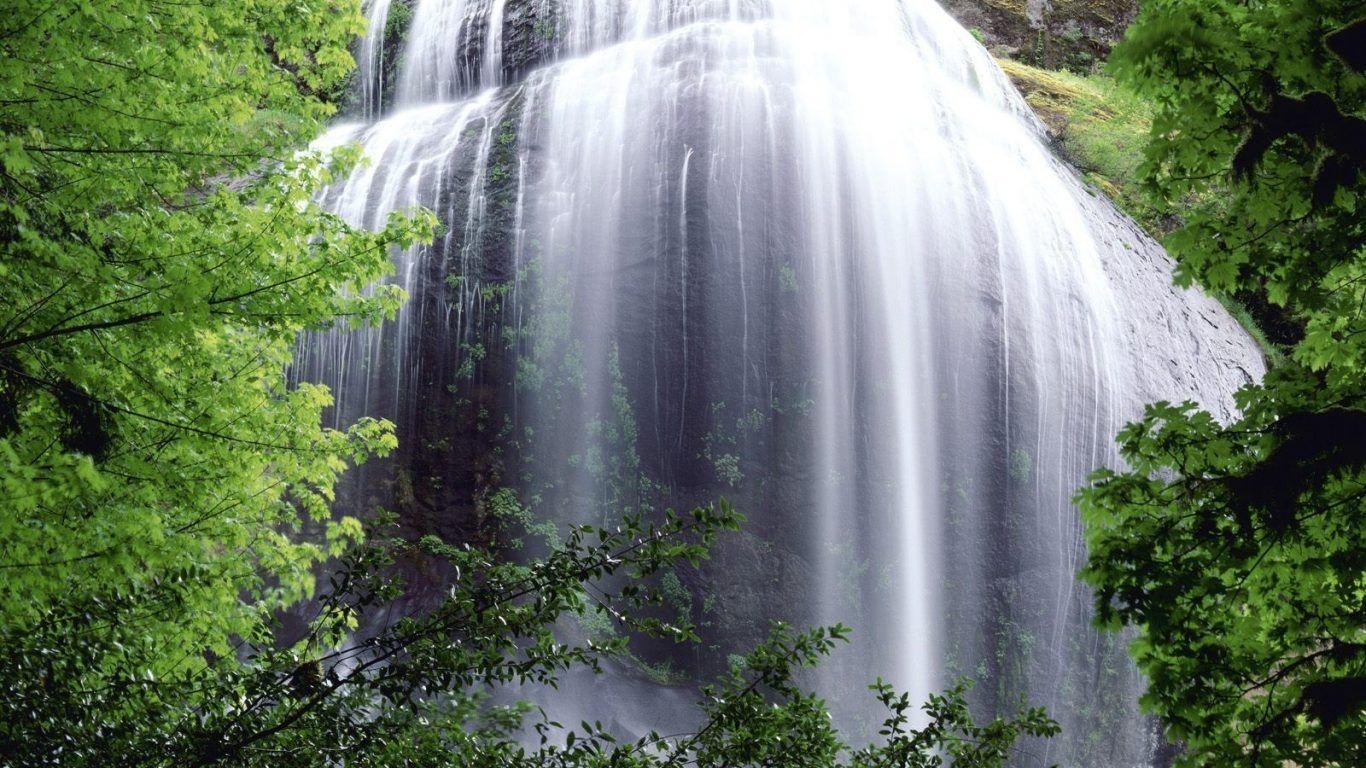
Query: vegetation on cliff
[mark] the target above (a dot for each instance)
(1100, 126)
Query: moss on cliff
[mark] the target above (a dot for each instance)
(1099, 127)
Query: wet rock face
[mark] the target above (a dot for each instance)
(530, 33)
(1071, 34)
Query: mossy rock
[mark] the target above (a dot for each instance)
(1098, 127)
(1071, 34)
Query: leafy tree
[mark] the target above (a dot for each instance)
(1239, 550)
(159, 254)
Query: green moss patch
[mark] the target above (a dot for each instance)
(1100, 128)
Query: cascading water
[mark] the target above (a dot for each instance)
(813, 256)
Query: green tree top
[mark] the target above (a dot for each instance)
(159, 253)
(1258, 129)
(1239, 551)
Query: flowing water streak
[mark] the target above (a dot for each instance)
(410, 159)
(449, 46)
(370, 62)
(813, 254)
(492, 73)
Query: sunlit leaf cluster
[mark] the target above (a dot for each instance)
(160, 252)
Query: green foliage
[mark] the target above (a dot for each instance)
(547, 30)
(160, 254)
(759, 715)
(1014, 649)
(612, 457)
(507, 135)
(676, 595)
(1021, 465)
(1245, 576)
(329, 696)
(515, 521)
(1238, 550)
(1219, 74)
(551, 363)
(415, 693)
(396, 25)
(722, 444)
(471, 355)
(1101, 127)
(1107, 129)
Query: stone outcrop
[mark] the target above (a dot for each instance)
(1057, 34)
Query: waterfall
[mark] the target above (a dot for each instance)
(812, 256)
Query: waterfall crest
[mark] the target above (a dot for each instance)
(813, 256)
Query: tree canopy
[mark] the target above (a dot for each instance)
(159, 253)
(1239, 550)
